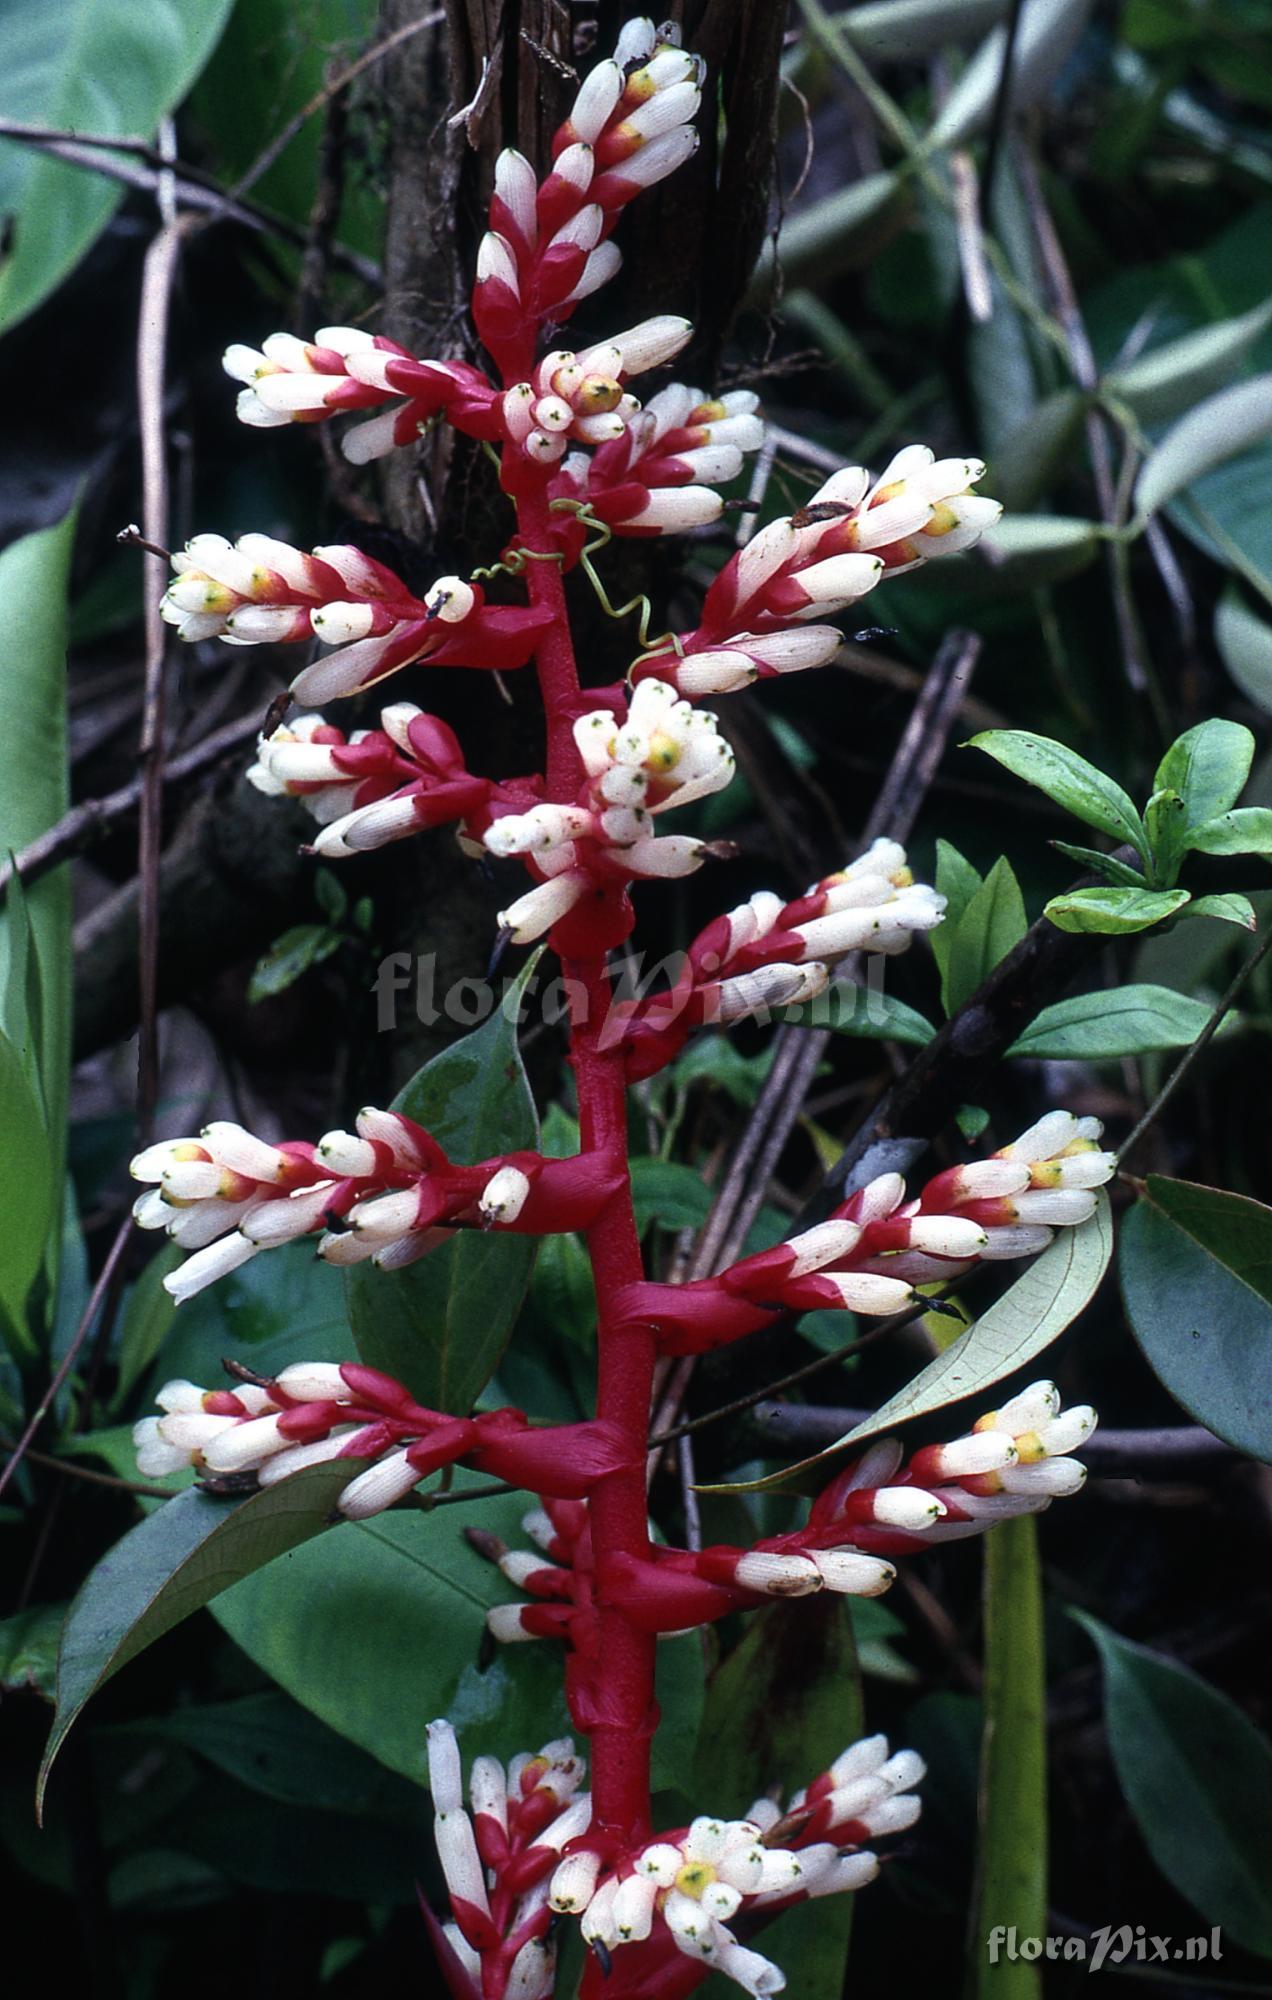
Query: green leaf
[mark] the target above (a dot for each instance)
(780, 1708)
(176, 1560)
(285, 1306)
(1165, 819)
(1229, 909)
(289, 957)
(670, 1193)
(1213, 431)
(441, 1325)
(1173, 377)
(1104, 864)
(1247, 830)
(1244, 641)
(28, 1649)
(1011, 1860)
(1120, 1021)
(828, 234)
(1196, 1269)
(1208, 766)
(1197, 1775)
(907, 29)
(1114, 912)
(1024, 552)
(381, 1626)
(1046, 1298)
(992, 923)
(27, 1195)
(99, 66)
(1047, 36)
(1053, 768)
(863, 1011)
(957, 881)
(146, 1321)
(33, 770)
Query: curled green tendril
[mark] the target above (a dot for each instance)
(601, 538)
(515, 561)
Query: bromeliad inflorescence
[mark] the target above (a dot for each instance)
(583, 460)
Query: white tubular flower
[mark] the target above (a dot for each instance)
(769, 986)
(504, 1196)
(1043, 1435)
(671, 510)
(535, 913)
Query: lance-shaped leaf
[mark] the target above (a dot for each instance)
(1122, 1021)
(1046, 1298)
(1196, 1270)
(441, 1325)
(1046, 37)
(1244, 641)
(1175, 376)
(1247, 830)
(1208, 767)
(172, 1563)
(864, 1011)
(1213, 431)
(1011, 1855)
(1197, 1775)
(1070, 780)
(1114, 912)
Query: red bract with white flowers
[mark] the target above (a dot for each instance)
(582, 459)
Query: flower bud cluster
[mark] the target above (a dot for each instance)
(344, 368)
(497, 1856)
(548, 245)
(385, 1192)
(376, 785)
(817, 562)
(260, 591)
(769, 954)
(876, 1247)
(660, 476)
(683, 1890)
(663, 754)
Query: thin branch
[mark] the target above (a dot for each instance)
(68, 1361)
(158, 278)
(809, 1426)
(1194, 1049)
(332, 88)
(72, 1471)
(87, 823)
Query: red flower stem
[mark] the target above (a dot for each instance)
(614, 1693)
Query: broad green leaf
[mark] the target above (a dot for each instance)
(863, 1011)
(1245, 830)
(780, 1708)
(1046, 1298)
(903, 30)
(146, 1321)
(1208, 766)
(290, 957)
(1121, 1021)
(957, 880)
(1173, 377)
(1046, 37)
(99, 66)
(1026, 462)
(27, 1194)
(381, 1627)
(28, 1649)
(441, 1325)
(1114, 912)
(1104, 864)
(1229, 909)
(670, 1193)
(1079, 787)
(1196, 1270)
(276, 1748)
(285, 1306)
(1197, 1775)
(1214, 430)
(992, 923)
(273, 59)
(173, 1562)
(1011, 1859)
(1244, 641)
(33, 780)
